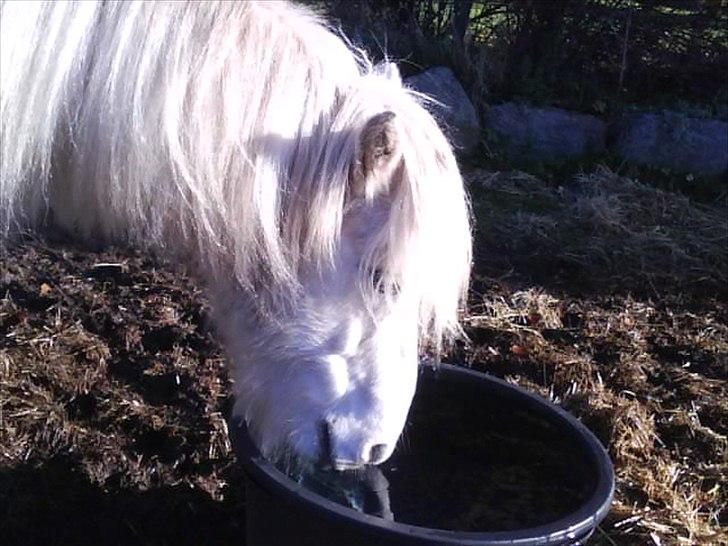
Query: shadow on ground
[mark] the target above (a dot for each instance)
(55, 503)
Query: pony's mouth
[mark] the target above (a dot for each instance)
(341, 466)
(326, 450)
(327, 459)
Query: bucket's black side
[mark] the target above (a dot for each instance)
(271, 522)
(268, 523)
(281, 512)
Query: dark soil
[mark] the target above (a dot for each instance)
(113, 401)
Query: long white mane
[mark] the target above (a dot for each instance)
(223, 132)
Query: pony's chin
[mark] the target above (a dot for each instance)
(343, 467)
(296, 464)
(286, 454)
(291, 462)
(307, 457)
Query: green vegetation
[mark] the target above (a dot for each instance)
(597, 56)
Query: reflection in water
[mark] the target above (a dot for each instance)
(365, 490)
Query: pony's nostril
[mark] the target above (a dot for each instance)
(376, 454)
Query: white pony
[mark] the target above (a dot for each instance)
(311, 191)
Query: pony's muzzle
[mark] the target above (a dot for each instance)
(334, 455)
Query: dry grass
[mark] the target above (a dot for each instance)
(111, 404)
(606, 296)
(648, 379)
(602, 231)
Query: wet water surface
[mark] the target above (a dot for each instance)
(468, 462)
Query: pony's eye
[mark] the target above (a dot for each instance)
(380, 286)
(377, 277)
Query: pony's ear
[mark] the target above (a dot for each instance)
(377, 155)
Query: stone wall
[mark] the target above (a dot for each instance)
(550, 135)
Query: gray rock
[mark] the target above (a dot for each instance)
(672, 140)
(544, 134)
(457, 115)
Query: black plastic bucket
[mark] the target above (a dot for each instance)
(482, 462)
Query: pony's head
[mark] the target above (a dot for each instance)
(377, 226)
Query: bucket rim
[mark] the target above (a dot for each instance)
(574, 526)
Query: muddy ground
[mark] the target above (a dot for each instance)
(605, 295)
